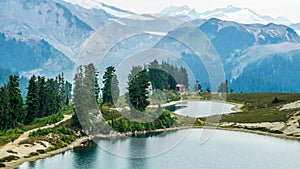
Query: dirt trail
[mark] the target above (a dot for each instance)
(15, 145)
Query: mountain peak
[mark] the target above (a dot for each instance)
(229, 13)
(178, 10)
(97, 4)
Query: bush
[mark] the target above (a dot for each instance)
(32, 154)
(41, 151)
(44, 132)
(276, 100)
(10, 151)
(27, 141)
(9, 158)
(48, 120)
(63, 130)
(124, 125)
(41, 132)
(2, 165)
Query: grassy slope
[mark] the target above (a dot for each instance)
(6, 136)
(258, 107)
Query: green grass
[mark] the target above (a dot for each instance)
(59, 137)
(260, 107)
(130, 121)
(6, 136)
(196, 96)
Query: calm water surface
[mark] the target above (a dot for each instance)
(201, 108)
(224, 150)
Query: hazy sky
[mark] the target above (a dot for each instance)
(287, 8)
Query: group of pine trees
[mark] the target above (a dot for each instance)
(162, 76)
(166, 76)
(86, 93)
(11, 104)
(44, 98)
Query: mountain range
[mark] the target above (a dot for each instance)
(258, 53)
(230, 13)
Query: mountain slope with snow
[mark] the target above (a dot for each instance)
(45, 19)
(97, 4)
(230, 13)
(243, 49)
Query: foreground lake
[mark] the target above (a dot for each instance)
(225, 149)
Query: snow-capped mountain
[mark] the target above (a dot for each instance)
(245, 50)
(97, 4)
(46, 33)
(230, 13)
(296, 27)
(45, 19)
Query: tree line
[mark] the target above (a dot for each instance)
(43, 98)
(166, 76)
(162, 76)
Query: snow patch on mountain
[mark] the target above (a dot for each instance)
(97, 4)
(230, 13)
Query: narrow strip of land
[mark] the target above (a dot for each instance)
(22, 150)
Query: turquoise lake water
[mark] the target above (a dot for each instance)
(180, 150)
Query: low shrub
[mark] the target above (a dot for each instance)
(41, 151)
(10, 151)
(32, 154)
(9, 158)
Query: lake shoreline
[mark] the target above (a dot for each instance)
(77, 143)
(80, 142)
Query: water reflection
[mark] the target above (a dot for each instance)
(226, 150)
(138, 150)
(85, 157)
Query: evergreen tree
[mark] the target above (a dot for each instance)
(198, 87)
(62, 96)
(3, 107)
(223, 87)
(97, 87)
(51, 97)
(115, 87)
(90, 85)
(173, 75)
(79, 96)
(68, 87)
(14, 106)
(110, 90)
(138, 82)
(183, 77)
(41, 84)
(84, 95)
(32, 101)
(208, 90)
(157, 76)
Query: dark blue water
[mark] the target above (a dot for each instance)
(224, 150)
